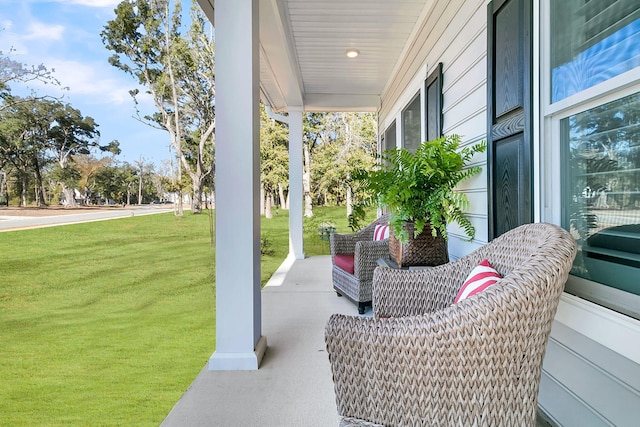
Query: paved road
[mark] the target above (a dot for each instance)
(9, 223)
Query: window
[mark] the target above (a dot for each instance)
(389, 138)
(411, 122)
(591, 42)
(412, 114)
(602, 192)
(433, 104)
(597, 134)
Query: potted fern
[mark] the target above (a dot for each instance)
(418, 189)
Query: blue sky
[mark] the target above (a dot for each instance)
(64, 35)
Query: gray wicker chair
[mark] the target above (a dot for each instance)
(357, 286)
(423, 360)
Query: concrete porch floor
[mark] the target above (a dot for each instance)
(293, 386)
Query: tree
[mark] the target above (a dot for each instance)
(358, 142)
(12, 71)
(36, 132)
(178, 74)
(88, 166)
(314, 134)
(115, 183)
(143, 170)
(71, 133)
(24, 127)
(196, 79)
(274, 159)
(338, 145)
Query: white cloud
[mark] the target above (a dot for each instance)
(91, 81)
(39, 31)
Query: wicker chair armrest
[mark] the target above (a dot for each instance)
(413, 292)
(401, 371)
(366, 257)
(342, 244)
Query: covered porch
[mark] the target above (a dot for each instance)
(417, 58)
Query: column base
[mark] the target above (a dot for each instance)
(239, 361)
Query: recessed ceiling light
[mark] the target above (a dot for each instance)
(352, 53)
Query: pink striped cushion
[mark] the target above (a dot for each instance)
(381, 232)
(480, 278)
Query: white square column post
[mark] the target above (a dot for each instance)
(296, 245)
(239, 341)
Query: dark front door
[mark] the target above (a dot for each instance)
(509, 115)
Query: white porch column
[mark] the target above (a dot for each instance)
(239, 343)
(296, 247)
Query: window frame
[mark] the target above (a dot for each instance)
(435, 78)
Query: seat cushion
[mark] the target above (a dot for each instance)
(344, 262)
(480, 278)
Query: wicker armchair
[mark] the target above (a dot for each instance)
(356, 286)
(432, 362)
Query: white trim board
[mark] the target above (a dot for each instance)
(613, 330)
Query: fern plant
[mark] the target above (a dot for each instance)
(420, 187)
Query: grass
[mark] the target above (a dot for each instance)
(107, 323)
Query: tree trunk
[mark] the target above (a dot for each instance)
(69, 196)
(139, 188)
(179, 209)
(196, 201)
(40, 201)
(267, 207)
(174, 123)
(283, 200)
(4, 188)
(23, 190)
(306, 183)
(262, 196)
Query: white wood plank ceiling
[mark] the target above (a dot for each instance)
(303, 45)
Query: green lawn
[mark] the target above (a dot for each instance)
(107, 323)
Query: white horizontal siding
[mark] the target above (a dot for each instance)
(585, 383)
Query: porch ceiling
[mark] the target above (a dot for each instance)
(303, 45)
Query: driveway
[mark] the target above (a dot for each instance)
(12, 219)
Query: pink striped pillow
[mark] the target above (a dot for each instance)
(480, 278)
(381, 232)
